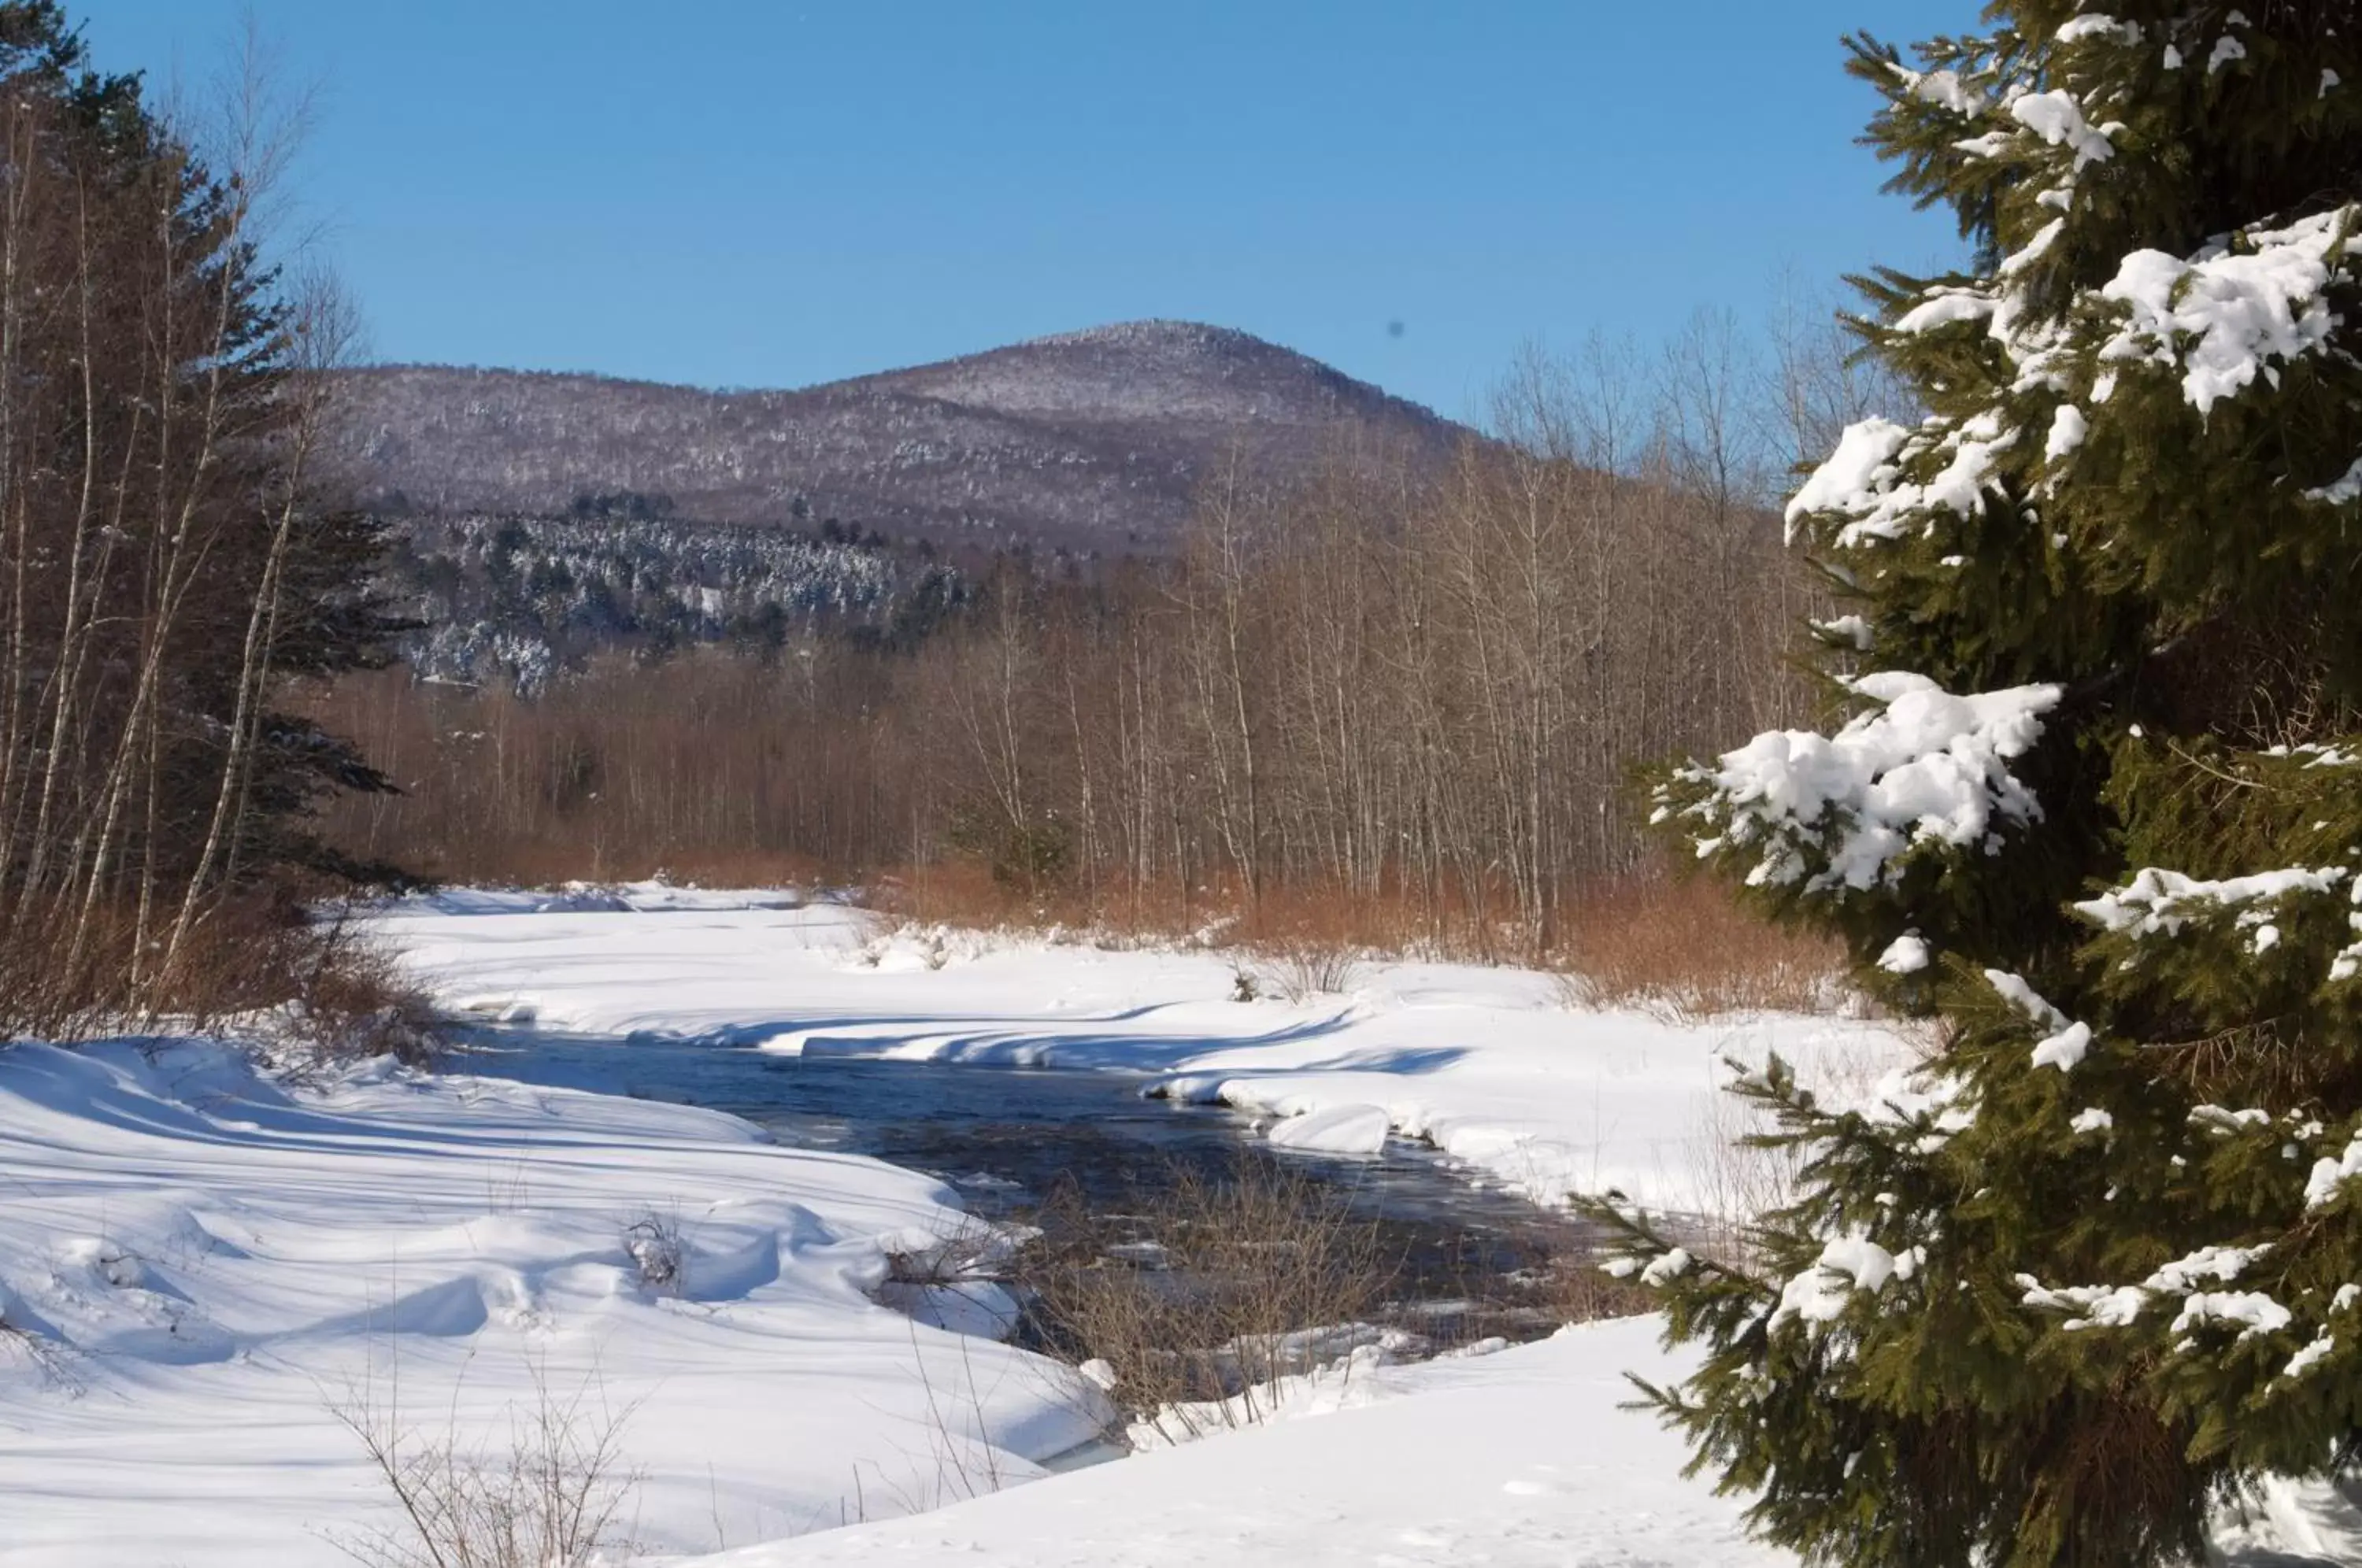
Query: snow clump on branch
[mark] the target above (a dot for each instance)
(1840, 812)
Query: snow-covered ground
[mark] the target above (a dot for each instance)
(201, 1265)
(1522, 1459)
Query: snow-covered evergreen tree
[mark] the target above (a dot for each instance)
(2097, 809)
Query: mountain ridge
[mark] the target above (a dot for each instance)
(1091, 441)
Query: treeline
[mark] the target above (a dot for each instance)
(167, 560)
(1403, 685)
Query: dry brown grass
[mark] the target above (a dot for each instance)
(1212, 1296)
(1297, 968)
(330, 991)
(1214, 1290)
(961, 892)
(1679, 948)
(1685, 949)
(58, 983)
(1574, 1289)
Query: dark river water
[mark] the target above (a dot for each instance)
(1474, 1261)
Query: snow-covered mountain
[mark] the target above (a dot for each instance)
(1090, 441)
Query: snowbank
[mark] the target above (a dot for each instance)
(1335, 1130)
(1515, 1459)
(595, 898)
(200, 1265)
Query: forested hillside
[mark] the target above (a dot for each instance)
(513, 601)
(1092, 443)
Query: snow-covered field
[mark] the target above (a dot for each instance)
(202, 1266)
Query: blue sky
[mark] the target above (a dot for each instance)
(749, 193)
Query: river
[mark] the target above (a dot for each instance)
(1474, 1261)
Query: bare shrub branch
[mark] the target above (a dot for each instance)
(550, 1499)
(1249, 1279)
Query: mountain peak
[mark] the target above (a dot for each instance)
(1153, 370)
(1151, 331)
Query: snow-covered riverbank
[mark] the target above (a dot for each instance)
(201, 1266)
(1486, 1064)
